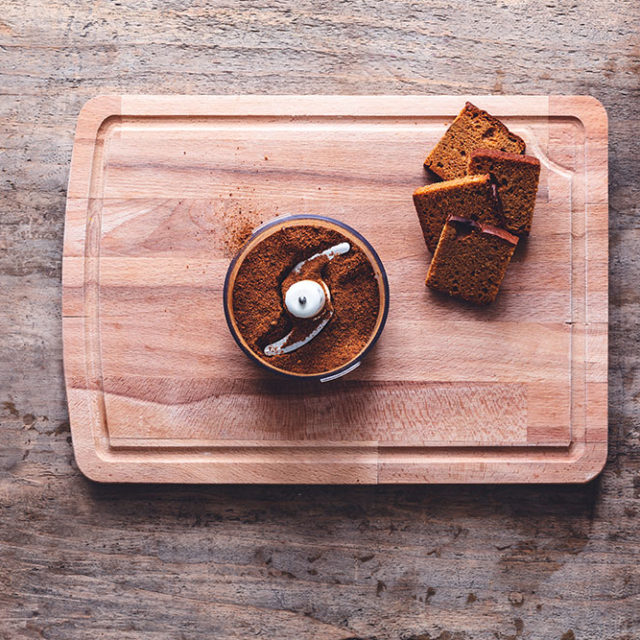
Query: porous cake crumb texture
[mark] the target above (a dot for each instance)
(471, 130)
(516, 177)
(470, 263)
(470, 197)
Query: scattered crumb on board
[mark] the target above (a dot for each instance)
(238, 227)
(239, 221)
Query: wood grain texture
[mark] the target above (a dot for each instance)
(83, 560)
(159, 386)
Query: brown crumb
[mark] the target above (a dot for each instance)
(239, 225)
(233, 221)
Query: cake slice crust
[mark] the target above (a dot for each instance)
(474, 128)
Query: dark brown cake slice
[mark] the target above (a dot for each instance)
(471, 130)
(469, 197)
(516, 177)
(471, 260)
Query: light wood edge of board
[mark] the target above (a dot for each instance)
(343, 464)
(580, 462)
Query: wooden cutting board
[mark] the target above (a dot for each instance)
(159, 392)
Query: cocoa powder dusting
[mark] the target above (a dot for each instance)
(237, 233)
(239, 224)
(238, 221)
(259, 310)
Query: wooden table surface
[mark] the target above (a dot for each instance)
(80, 560)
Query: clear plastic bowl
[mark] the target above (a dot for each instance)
(267, 229)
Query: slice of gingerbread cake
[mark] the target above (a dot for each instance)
(469, 197)
(471, 260)
(473, 129)
(516, 177)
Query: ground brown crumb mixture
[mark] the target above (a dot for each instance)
(239, 223)
(259, 310)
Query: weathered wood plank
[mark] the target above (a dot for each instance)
(81, 560)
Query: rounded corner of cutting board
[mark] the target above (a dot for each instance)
(592, 462)
(94, 113)
(92, 466)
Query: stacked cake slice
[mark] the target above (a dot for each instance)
(472, 220)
